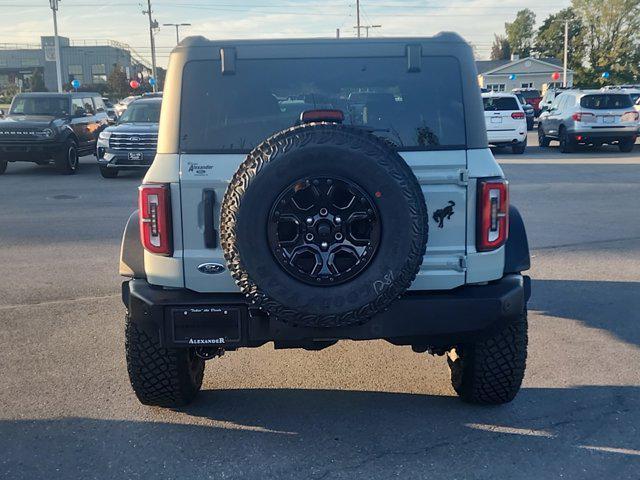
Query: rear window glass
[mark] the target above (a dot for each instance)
(493, 104)
(528, 94)
(230, 113)
(605, 101)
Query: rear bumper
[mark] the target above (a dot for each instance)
(603, 135)
(183, 318)
(507, 137)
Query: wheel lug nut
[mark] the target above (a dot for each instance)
(338, 220)
(323, 212)
(338, 236)
(316, 182)
(309, 220)
(309, 237)
(324, 244)
(329, 181)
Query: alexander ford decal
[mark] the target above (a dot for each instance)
(199, 170)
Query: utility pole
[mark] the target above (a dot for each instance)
(152, 24)
(337, 33)
(566, 53)
(56, 42)
(177, 25)
(367, 27)
(358, 16)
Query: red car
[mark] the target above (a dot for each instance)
(532, 97)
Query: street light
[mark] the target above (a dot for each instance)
(56, 42)
(177, 25)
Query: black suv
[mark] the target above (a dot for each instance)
(44, 126)
(131, 144)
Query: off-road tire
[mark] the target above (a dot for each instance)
(543, 140)
(3, 166)
(162, 377)
(566, 143)
(108, 172)
(283, 155)
(68, 160)
(626, 144)
(491, 371)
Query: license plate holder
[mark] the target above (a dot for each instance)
(496, 119)
(206, 325)
(608, 119)
(136, 156)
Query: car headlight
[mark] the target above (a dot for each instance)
(103, 139)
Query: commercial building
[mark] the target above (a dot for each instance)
(88, 62)
(529, 72)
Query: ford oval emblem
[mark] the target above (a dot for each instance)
(134, 139)
(211, 268)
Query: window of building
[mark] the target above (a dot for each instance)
(526, 85)
(496, 87)
(76, 73)
(30, 62)
(98, 73)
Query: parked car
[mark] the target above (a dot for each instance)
(122, 105)
(532, 97)
(549, 96)
(261, 224)
(529, 112)
(505, 121)
(131, 143)
(59, 126)
(110, 109)
(589, 117)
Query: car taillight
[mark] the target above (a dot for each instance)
(493, 214)
(517, 115)
(322, 115)
(154, 202)
(629, 117)
(583, 117)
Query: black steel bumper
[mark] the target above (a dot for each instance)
(182, 318)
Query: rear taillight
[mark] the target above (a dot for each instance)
(584, 117)
(154, 202)
(517, 115)
(493, 214)
(629, 117)
(322, 115)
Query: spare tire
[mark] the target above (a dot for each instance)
(324, 225)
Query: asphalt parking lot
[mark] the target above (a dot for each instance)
(355, 410)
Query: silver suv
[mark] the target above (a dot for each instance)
(589, 117)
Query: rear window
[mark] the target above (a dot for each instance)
(529, 94)
(493, 104)
(606, 101)
(234, 113)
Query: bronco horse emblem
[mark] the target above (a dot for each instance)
(446, 212)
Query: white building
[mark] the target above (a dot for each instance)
(529, 72)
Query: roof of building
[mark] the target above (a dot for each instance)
(485, 66)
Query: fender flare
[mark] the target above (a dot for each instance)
(516, 258)
(67, 132)
(131, 250)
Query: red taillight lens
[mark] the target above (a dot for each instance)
(583, 117)
(629, 117)
(517, 115)
(154, 202)
(325, 115)
(493, 214)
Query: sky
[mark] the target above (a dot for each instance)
(24, 21)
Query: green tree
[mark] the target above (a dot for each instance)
(500, 50)
(117, 82)
(611, 30)
(37, 81)
(520, 32)
(549, 40)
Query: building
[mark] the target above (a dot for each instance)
(529, 72)
(88, 62)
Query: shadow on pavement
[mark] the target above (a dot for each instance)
(582, 432)
(610, 306)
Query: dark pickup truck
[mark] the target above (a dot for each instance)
(44, 126)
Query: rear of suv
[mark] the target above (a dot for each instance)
(589, 117)
(505, 121)
(310, 191)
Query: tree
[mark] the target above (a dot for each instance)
(611, 31)
(500, 50)
(37, 81)
(550, 38)
(117, 81)
(520, 32)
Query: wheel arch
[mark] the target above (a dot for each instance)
(131, 250)
(517, 258)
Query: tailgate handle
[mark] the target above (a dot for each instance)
(209, 202)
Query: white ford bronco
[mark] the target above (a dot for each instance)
(308, 191)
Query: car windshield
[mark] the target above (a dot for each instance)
(142, 112)
(606, 101)
(493, 104)
(414, 110)
(40, 106)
